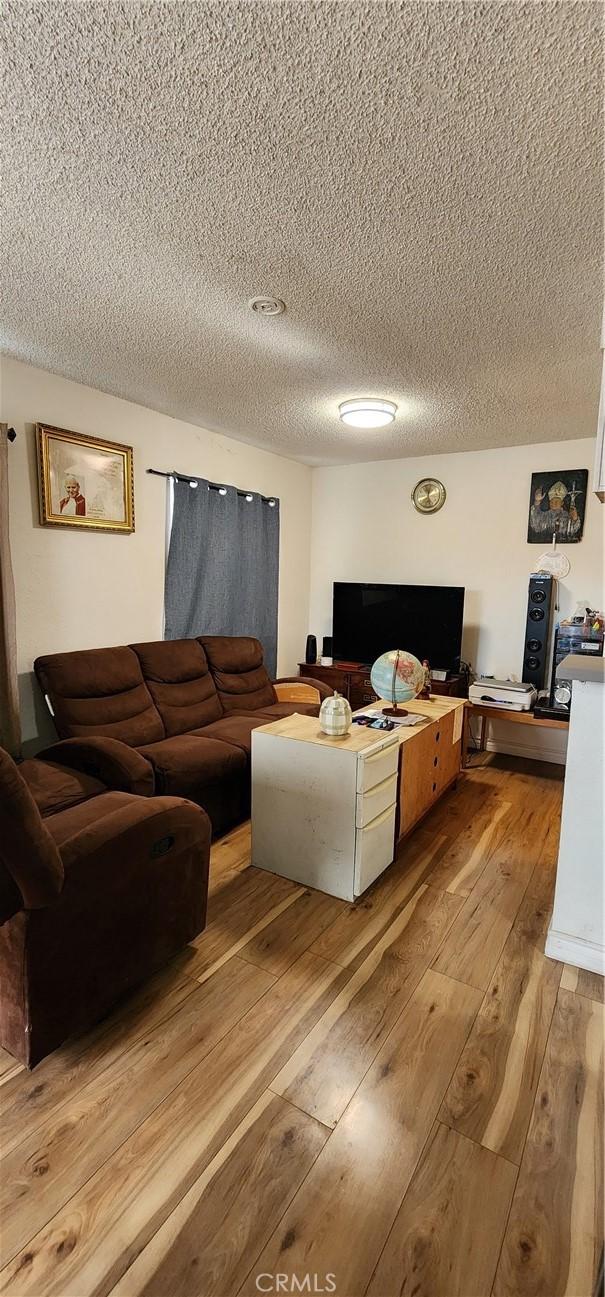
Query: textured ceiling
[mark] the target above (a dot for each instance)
(420, 182)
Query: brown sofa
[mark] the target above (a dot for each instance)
(171, 716)
(98, 889)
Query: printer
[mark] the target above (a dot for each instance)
(507, 695)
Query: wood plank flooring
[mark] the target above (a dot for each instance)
(401, 1098)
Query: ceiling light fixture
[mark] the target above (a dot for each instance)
(267, 306)
(367, 412)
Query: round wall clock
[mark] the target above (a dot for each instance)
(428, 495)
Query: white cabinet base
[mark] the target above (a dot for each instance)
(374, 849)
(572, 950)
(323, 814)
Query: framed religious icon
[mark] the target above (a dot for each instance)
(84, 482)
(557, 504)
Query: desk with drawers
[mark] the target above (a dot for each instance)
(329, 812)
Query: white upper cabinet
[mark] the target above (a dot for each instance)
(599, 464)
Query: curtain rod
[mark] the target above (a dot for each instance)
(212, 486)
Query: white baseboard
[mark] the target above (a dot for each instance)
(530, 750)
(575, 951)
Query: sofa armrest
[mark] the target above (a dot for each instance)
(300, 689)
(145, 830)
(117, 766)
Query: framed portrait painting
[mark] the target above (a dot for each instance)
(557, 504)
(83, 481)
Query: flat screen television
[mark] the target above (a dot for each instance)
(426, 620)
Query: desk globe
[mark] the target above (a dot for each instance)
(399, 676)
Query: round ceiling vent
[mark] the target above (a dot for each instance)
(267, 306)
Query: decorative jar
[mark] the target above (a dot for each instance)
(335, 716)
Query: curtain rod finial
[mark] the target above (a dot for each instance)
(11, 434)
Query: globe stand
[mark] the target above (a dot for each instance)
(395, 710)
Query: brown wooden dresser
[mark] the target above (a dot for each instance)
(354, 683)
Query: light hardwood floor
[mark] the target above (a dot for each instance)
(401, 1098)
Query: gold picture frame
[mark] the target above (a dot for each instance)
(84, 482)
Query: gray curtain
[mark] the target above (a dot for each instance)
(223, 565)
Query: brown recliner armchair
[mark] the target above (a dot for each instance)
(98, 889)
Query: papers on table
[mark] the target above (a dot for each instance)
(411, 719)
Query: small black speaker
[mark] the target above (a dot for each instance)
(311, 649)
(540, 603)
(326, 651)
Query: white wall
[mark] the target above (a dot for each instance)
(365, 528)
(79, 589)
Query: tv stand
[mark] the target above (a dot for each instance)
(353, 682)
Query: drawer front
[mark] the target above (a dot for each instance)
(376, 800)
(361, 679)
(374, 769)
(374, 849)
(418, 784)
(329, 676)
(359, 697)
(430, 761)
(447, 753)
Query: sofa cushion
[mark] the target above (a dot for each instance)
(186, 762)
(177, 675)
(54, 787)
(234, 729)
(241, 679)
(279, 710)
(66, 824)
(100, 691)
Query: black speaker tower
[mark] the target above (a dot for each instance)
(311, 649)
(540, 604)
